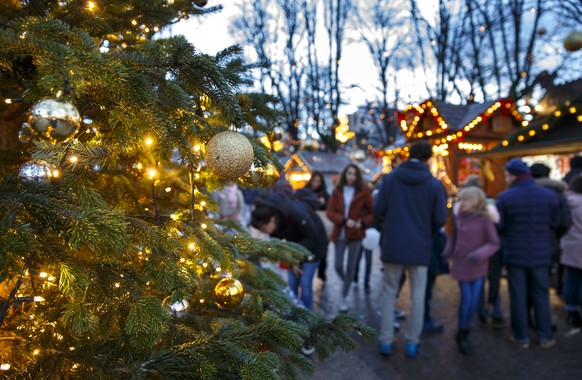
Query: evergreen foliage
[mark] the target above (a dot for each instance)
(126, 224)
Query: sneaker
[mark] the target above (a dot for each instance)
(431, 327)
(547, 343)
(499, 323)
(411, 350)
(518, 343)
(399, 314)
(344, 306)
(385, 349)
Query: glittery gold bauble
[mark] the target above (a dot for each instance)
(310, 144)
(253, 176)
(54, 120)
(573, 41)
(229, 293)
(37, 171)
(229, 155)
(177, 309)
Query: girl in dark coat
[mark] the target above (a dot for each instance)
(317, 185)
(350, 208)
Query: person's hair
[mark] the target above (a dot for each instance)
(421, 150)
(261, 214)
(322, 187)
(473, 199)
(474, 180)
(359, 184)
(576, 184)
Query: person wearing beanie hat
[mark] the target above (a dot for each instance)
(529, 217)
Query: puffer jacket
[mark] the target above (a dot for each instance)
(529, 216)
(572, 242)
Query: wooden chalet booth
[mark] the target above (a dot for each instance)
(552, 137)
(299, 167)
(456, 131)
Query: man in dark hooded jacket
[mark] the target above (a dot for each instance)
(410, 208)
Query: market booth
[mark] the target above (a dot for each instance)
(456, 131)
(299, 167)
(553, 136)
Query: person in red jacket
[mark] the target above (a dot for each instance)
(350, 210)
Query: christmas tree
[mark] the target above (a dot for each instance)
(111, 140)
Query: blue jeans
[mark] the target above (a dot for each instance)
(536, 283)
(470, 291)
(573, 288)
(305, 281)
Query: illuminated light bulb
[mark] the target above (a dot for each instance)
(545, 127)
(557, 114)
(117, 285)
(218, 269)
(532, 132)
(579, 118)
(520, 138)
(174, 217)
(90, 5)
(203, 203)
(51, 278)
(71, 348)
(38, 299)
(156, 29)
(4, 366)
(74, 159)
(8, 101)
(192, 246)
(197, 175)
(152, 173)
(36, 352)
(201, 300)
(56, 173)
(525, 123)
(149, 141)
(429, 133)
(572, 109)
(203, 226)
(43, 275)
(133, 22)
(168, 189)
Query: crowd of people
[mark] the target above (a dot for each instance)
(531, 230)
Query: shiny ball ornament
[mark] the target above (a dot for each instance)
(37, 171)
(200, 3)
(229, 293)
(54, 120)
(253, 176)
(270, 176)
(276, 134)
(358, 155)
(229, 155)
(573, 41)
(310, 145)
(177, 309)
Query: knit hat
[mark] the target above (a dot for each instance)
(516, 166)
(539, 170)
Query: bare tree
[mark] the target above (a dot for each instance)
(381, 26)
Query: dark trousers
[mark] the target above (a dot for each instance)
(534, 282)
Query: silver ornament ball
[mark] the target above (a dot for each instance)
(177, 309)
(37, 171)
(54, 120)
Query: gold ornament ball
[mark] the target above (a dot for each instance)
(37, 171)
(54, 120)
(253, 176)
(573, 41)
(229, 155)
(276, 134)
(270, 176)
(229, 293)
(177, 309)
(310, 145)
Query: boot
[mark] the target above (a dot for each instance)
(463, 342)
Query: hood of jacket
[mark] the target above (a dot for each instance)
(412, 172)
(558, 186)
(309, 197)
